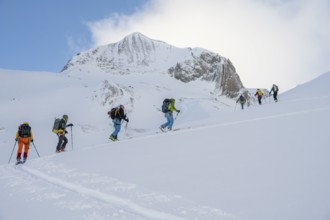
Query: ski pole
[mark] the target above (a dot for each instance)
(176, 115)
(36, 149)
(235, 107)
(71, 139)
(12, 152)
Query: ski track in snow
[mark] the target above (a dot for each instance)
(91, 186)
(185, 129)
(268, 117)
(148, 213)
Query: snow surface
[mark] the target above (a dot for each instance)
(265, 162)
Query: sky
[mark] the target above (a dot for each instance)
(269, 41)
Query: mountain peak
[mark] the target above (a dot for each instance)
(134, 50)
(138, 53)
(137, 36)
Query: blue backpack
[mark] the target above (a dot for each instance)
(165, 105)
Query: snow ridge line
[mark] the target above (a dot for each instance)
(252, 120)
(190, 128)
(185, 129)
(139, 210)
(273, 116)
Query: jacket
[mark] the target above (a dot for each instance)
(121, 115)
(171, 106)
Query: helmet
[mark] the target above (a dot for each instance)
(25, 123)
(65, 117)
(121, 106)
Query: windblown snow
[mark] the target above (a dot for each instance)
(264, 162)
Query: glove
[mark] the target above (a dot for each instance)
(178, 111)
(70, 125)
(127, 120)
(32, 140)
(16, 139)
(66, 132)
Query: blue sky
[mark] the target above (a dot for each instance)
(269, 41)
(35, 34)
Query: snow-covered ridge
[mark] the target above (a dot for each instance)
(134, 51)
(137, 53)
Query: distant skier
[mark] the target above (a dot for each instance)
(117, 115)
(24, 136)
(241, 100)
(168, 108)
(60, 131)
(259, 94)
(274, 89)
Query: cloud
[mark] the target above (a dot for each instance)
(269, 41)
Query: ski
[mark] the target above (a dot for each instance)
(113, 139)
(165, 131)
(20, 162)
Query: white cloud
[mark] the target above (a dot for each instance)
(269, 41)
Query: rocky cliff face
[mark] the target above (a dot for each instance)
(137, 53)
(210, 67)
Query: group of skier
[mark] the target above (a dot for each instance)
(259, 94)
(24, 137)
(118, 114)
(24, 134)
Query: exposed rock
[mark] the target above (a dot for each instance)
(137, 53)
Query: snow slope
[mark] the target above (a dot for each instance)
(265, 162)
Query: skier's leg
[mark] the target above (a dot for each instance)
(26, 150)
(117, 125)
(65, 141)
(168, 118)
(171, 121)
(59, 144)
(19, 150)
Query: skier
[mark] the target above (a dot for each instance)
(117, 114)
(274, 89)
(259, 94)
(24, 136)
(241, 100)
(62, 140)
(168, 108)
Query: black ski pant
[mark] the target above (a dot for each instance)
(62, 141)
(275, 96)
(259, 99)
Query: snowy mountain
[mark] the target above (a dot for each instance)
(137, 53)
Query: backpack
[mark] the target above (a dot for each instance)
(259, 92)
(242, 99)
(57, 125)
(24, 130)
(275, 88)
(165, 105)
(113, 113)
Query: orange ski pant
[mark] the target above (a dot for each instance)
(23, 141)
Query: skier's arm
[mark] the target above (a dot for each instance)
(31, 135)
(172, 108)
